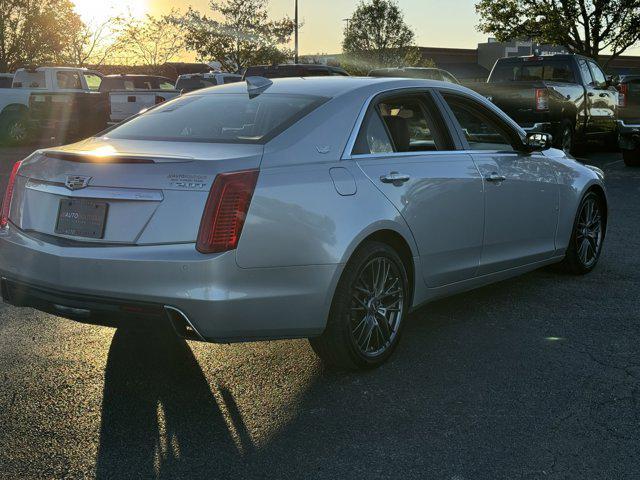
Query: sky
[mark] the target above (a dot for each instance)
(437, 23)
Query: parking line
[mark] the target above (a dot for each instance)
(613, 163)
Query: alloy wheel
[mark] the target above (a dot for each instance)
(377, 307)
(17, 131)
(589, 232)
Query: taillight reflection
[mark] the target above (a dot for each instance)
(542, 99)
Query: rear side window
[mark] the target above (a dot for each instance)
(5, 82)
(198, 118)
(479, 126)
(24, 79)
(373, 137)
(407, 123)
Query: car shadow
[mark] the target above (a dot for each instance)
(159, 411)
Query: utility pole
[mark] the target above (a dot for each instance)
(296, 34)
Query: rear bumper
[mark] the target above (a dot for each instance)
(629, 135)
(112, 285)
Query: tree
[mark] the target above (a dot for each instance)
(376, 35)
(35, 31)
(94, 44)
(243, 36)
(152, 41)
(584, 26)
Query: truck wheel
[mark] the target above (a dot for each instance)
(612, 142)
(631, 157)
(15, 129)
(368, 310)
(567, 140)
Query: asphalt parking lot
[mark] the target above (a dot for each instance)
(536, 377)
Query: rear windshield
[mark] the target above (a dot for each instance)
(25, 79)
(557, 71)
(219, 118)
(194, 83)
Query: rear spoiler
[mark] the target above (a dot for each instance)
(90, 157)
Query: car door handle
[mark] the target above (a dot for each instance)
(495, 177)
(591, 94)
(396, 178)
(604, 95)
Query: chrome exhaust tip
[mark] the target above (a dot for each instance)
(182, 325)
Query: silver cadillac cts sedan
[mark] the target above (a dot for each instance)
(324, 208)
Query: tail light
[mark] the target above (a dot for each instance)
(8, 196)
(226, 211)
(542, 99)
(623, 90)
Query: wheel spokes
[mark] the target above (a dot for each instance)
(376, 306)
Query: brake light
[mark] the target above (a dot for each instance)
(226, 211)
(542, 99)
(623, 90)
(8, 196)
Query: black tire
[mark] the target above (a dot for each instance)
(612, 142)
(566, 139)
(338, 345)
(575, 262)
(15, 129)
(631, 157)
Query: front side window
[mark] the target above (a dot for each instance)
(598, 77)
(586, 73)
(198, 118)
(69, 81)
(166, 85)
(480, 128)
(93, 81)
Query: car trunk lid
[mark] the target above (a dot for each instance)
(124, 192)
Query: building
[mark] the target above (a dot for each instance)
(475, 64)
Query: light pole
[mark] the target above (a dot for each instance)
(296, 34)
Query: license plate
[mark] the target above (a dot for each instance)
(82, 218)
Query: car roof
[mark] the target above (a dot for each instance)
(328, 86)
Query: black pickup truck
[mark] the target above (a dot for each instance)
(566, 95)
(629, 118)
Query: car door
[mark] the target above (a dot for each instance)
(602, 101)
(406, 150)
(521, 192)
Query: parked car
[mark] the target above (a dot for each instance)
(196, 81)
(567, 96)
(6, 79)
(321, 207)
(629, 118)
(129, 94)
(294, 70)
(415, 72)
(61, 83)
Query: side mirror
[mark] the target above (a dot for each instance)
(613, 80)
(537, 142)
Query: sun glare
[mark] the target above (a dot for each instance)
(101, 10)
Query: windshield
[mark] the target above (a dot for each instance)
(556, 71)
(219, 118)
